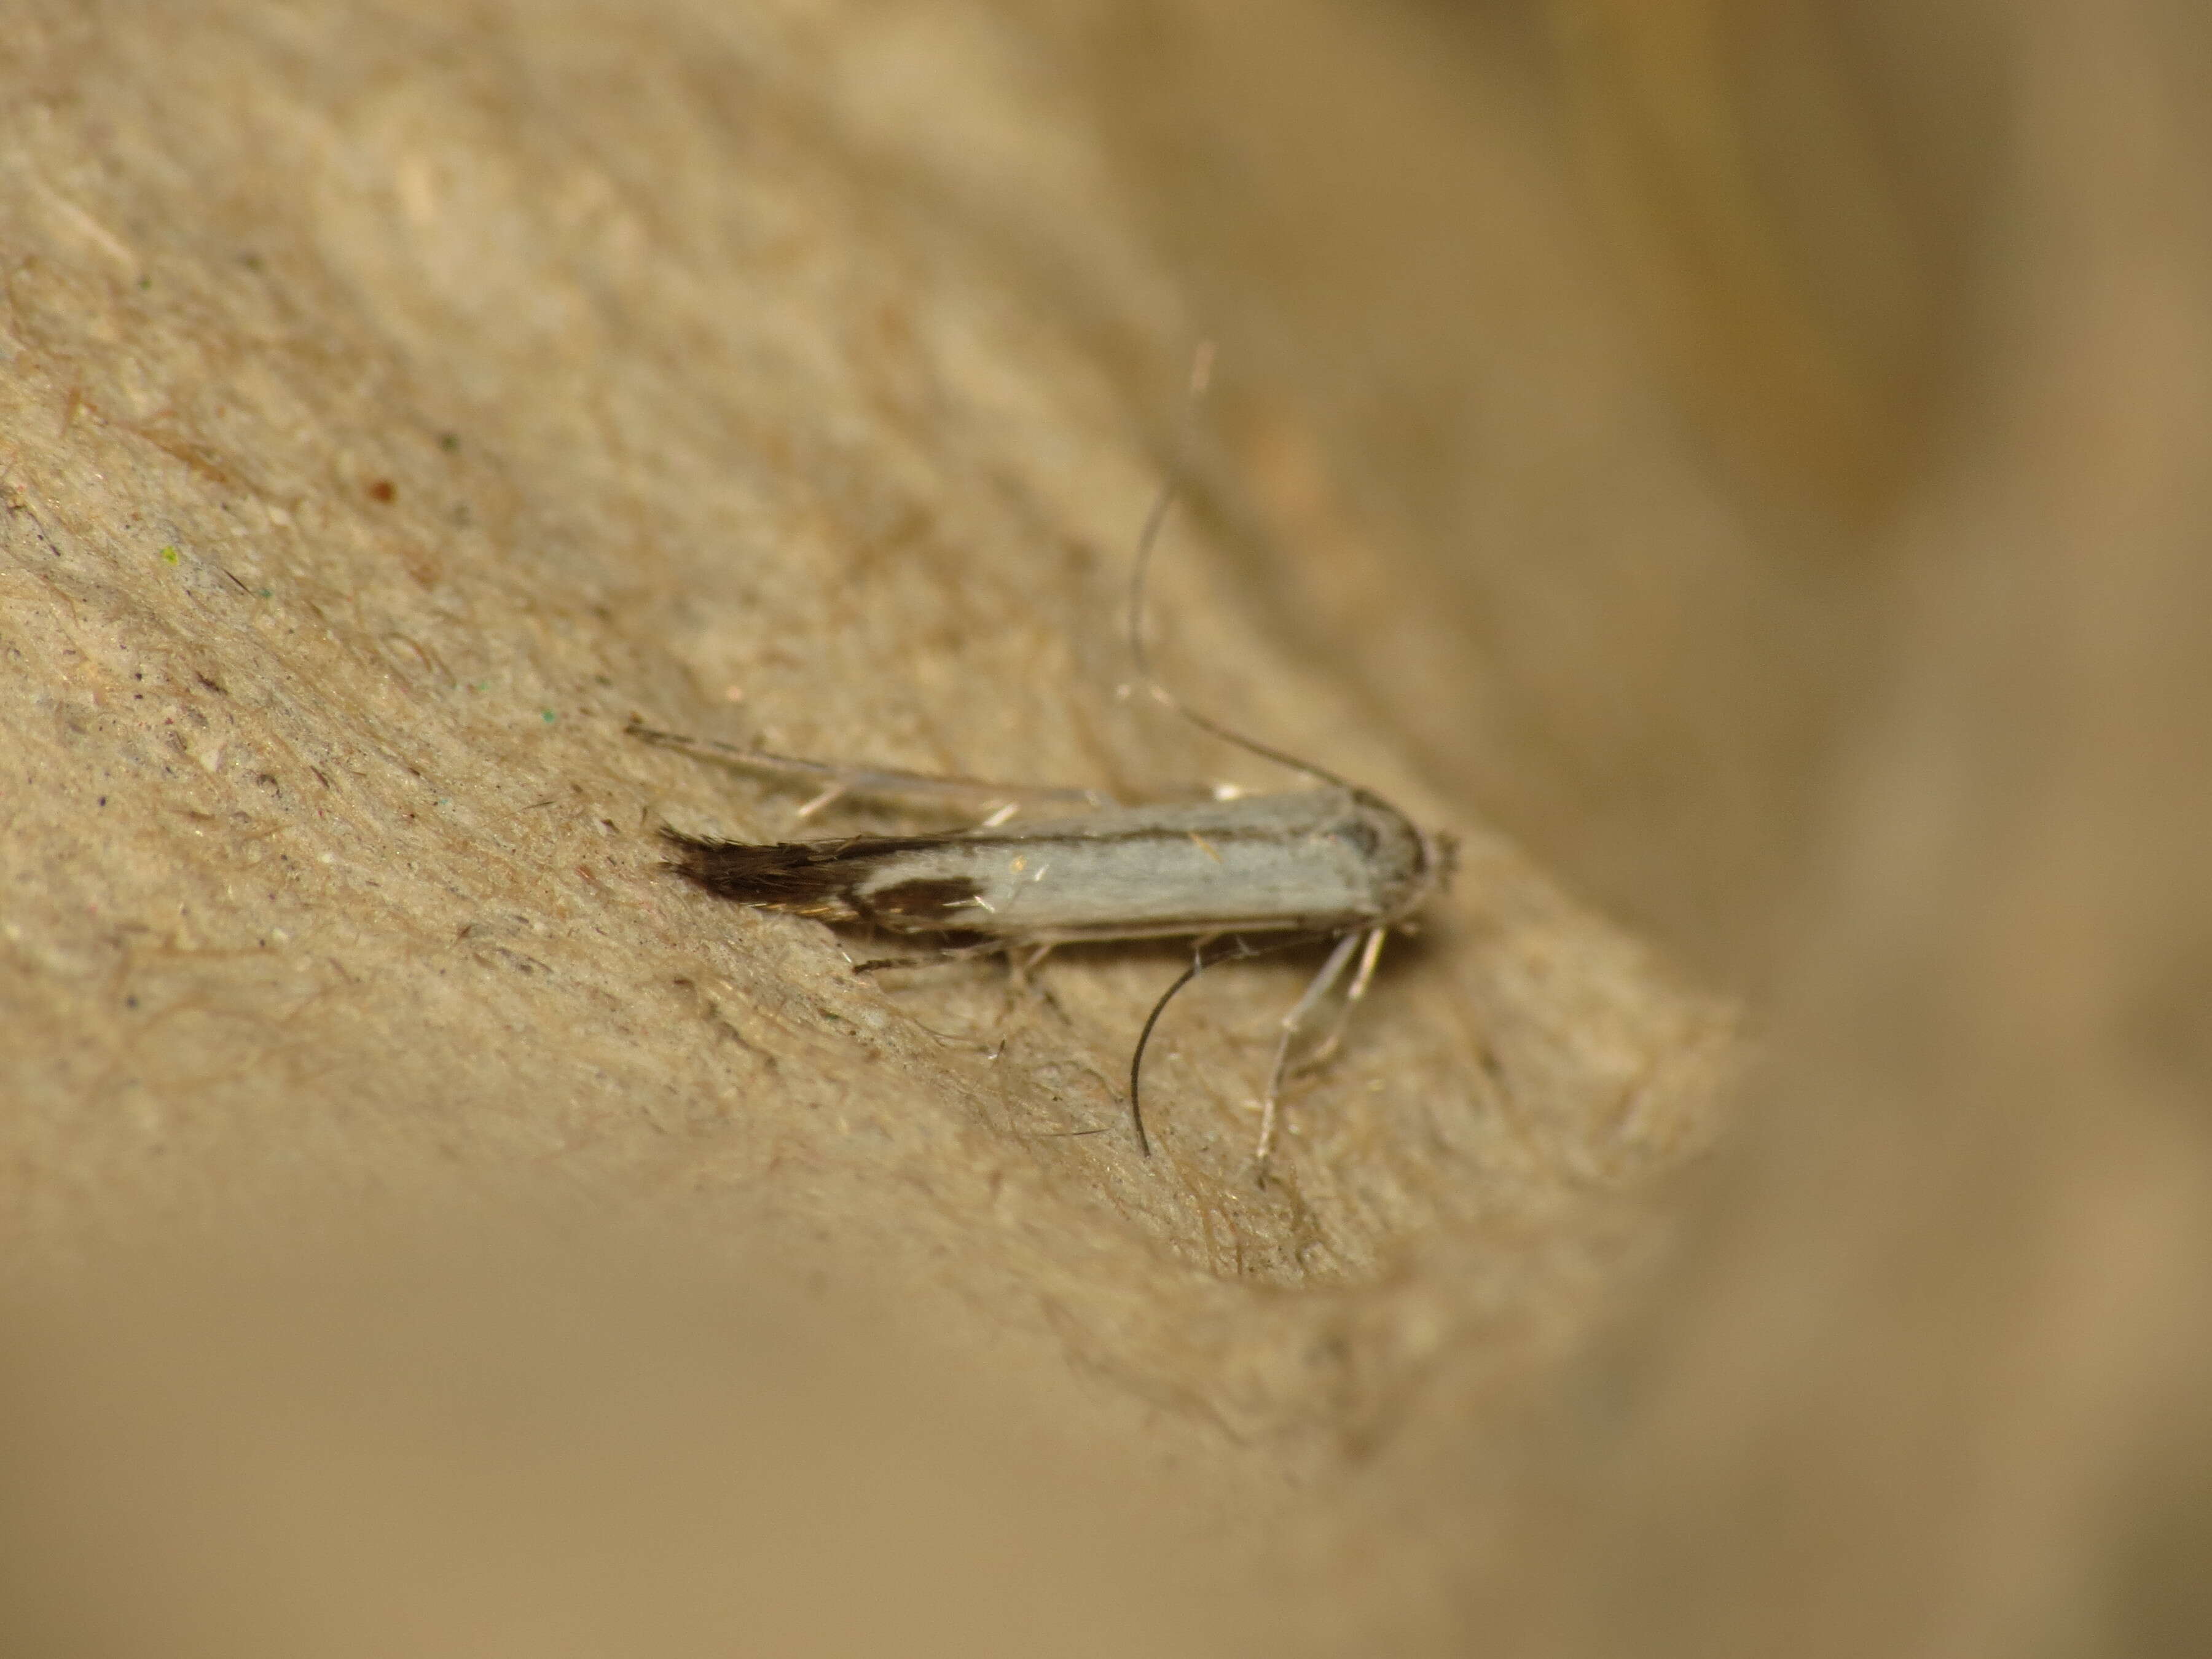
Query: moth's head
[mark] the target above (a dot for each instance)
(1439, 864)
(1427, 858)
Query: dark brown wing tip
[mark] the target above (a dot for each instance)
(691, 854)
(780, 875)
(821, 879)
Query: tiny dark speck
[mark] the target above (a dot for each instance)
(131, 1002)
(382, 489)
(103, 800)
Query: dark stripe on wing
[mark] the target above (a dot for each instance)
(931, 903)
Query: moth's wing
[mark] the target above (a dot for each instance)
(831, 780)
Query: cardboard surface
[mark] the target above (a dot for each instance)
(400, 399)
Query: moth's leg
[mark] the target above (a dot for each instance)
(832, 781)
(1361, 978)
(1293, 1023)
(1022, 962)
(988, 1036)
(886, 964)
(941, 956)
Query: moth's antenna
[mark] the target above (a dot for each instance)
(1201, 372)
(1199, 962)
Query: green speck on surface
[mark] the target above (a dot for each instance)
(550, 715)
(265, 593)
(169, 554)
(449, 441)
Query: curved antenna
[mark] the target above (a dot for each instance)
(1201, 372)
(1199, 962)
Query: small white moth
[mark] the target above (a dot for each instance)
(1335, 863)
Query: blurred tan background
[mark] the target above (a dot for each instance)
(1738, 467)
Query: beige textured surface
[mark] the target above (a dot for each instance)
(429, 1228)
